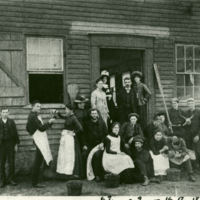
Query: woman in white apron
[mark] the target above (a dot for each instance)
(114, 160)
(158, 147)
(69, 156)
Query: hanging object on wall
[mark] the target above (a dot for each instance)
(73, 90)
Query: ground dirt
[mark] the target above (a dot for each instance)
(90, 188)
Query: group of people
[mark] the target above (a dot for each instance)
(109, 139)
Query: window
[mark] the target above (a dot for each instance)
(45, 69)
(188, 71)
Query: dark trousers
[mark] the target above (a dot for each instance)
(85, 154)
(187, 165)
(123, 116)
(143, 169)
(36, 166)
(7, 153)
(141, 111)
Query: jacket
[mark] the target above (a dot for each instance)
(12, 129)
(143, 93)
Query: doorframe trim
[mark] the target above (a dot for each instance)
(115, 41)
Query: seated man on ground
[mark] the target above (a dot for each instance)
(178, 154)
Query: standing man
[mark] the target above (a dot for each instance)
(176, 117)
(9, 141)
(125, 101)
(37, 129)
(192, 130)
(94, 134)
(141, 97)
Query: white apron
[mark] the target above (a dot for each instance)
(160, 164)
(116, 163)
(41, 140)
(66, 154)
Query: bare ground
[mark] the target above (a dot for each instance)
(90, 188)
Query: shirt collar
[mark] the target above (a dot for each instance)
(4, 120)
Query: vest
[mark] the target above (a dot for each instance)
(6, 132)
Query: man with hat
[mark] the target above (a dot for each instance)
(143, 161)
(192, 129)
(125, 101)
(80, 112)
(176, 116)
(141, 96)
(9, 141)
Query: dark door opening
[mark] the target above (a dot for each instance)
(120, 63)
(46, 88)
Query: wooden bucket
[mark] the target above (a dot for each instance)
(173, 174)
(112, 180)
(74, 188)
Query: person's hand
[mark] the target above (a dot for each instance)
(166, 147)
(188, 121)
(51, 120)
(101, 146)
(16, 148)
(85, 148)
(196, 139)
(127, 146)
(177, 155)
(131, 140)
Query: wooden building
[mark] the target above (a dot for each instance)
(46, 45)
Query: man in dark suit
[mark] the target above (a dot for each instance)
(95, 131)
(125, 101)
(9, 141)
(34, 125)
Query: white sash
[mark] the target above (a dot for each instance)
(41, 140)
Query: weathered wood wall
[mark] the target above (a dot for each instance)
(168, 21)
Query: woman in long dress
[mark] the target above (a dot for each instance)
(114, 159)
(98, 100)
(159, 148)
(69, 163)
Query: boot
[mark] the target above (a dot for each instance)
(191, 177)
(146, 181)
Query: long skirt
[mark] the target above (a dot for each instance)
(160, 163)
(116, 163)
(69, 155)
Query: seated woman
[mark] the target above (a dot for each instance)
(114, 159)
(130, 129)
(178, 154)
(158, 147)
(69, 164)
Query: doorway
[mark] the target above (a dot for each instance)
(120, 63)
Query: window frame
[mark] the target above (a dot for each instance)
(185, 73)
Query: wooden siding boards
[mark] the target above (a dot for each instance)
(168, 21)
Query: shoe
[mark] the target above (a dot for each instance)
(2, 184)
(97, 178)
(39, 186)
(146, 181)
(155, 180)
(191, 177)
(13, 183)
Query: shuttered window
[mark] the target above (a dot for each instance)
(188, 71)
(44, 54)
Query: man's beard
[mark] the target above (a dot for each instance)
(94, 118)
(127, 86)
(138, 148)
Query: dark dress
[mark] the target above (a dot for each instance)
(156, 146)
(72, 124)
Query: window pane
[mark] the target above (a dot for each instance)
(189, 52)
(180, 51)
(180, 93)
(33, 62)
(56, 47)
(33, 46)
(189, 65)
(45, 46)
(197, 52)
(189, 80)
(197, 93)
(44, 62)
(197, 79)
(197, 65)
(180, 80)
(189, 92)
(180, 66)
(56, 62)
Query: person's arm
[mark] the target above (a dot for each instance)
(147, 92)
(153, 148)
(184, 148)
(93, 99)
(16, 132)
(105, 131)
(123, 131)
(62, 116)
(140, 133)
(35, 122)
(108, 150)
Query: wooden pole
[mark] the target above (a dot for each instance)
(162, 93)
